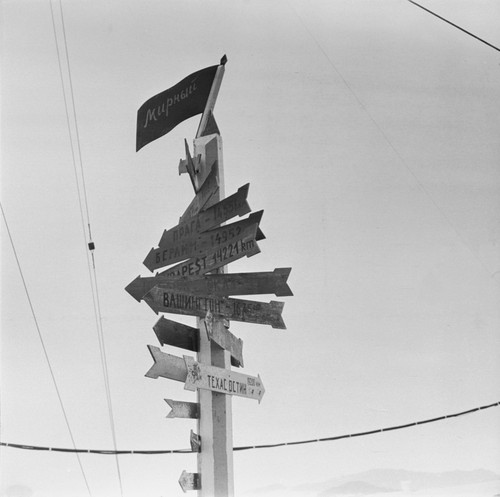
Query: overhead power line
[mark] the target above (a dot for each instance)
(391, 145)
(37, 326)
(84, 215)
(455, 25)
(249, 447)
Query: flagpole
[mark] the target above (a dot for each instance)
(212, 97)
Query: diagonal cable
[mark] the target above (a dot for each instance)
(83, 199)
(395, 150)
(44, 349)
(455, 25)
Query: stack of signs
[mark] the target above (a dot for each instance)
(187, 256)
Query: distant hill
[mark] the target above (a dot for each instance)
(394, 480)
(354, 488)
(391, 481)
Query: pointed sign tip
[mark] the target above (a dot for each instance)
(133, 288)
(149, 260)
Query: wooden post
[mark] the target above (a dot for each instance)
(215, 460)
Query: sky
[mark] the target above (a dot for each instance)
(368, 132)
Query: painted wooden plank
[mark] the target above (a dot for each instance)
(182, 409)
(246, 311)
(190, 481)
(227, 284)
(166, 365)
(203, 243)
(219, 334)
(213, 216)
(222, 380)
(216, 258)
(197, 375)
(177, 334)
(216, 285)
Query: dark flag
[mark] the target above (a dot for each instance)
(163, 112)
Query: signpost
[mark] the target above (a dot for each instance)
(193, 256)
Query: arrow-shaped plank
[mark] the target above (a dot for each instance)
(216, 258)
(232, 206)
(196, 375)
(219, 334)
(166, 365)
(180, 335)
(222, 380)
(190, 481)
(177, 334)
(246, 311)
(181, 409)
(204, 243)
(226, 284)
(217, 285)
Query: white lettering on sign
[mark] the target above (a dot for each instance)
(153, 114)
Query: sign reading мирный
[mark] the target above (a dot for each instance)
(163, 112)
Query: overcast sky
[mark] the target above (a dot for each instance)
(368, 132)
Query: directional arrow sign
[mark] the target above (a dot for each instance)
(180, 335)
(219, 334)
(197, 375)
(190, 481)
(217, 285)
(222, 380)
(166, 365)
(203, 243)
(207, 190)
(225, 284)
(247, 311)
(214, 259)
(181, 409)
(177, 334)
(235, 205)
